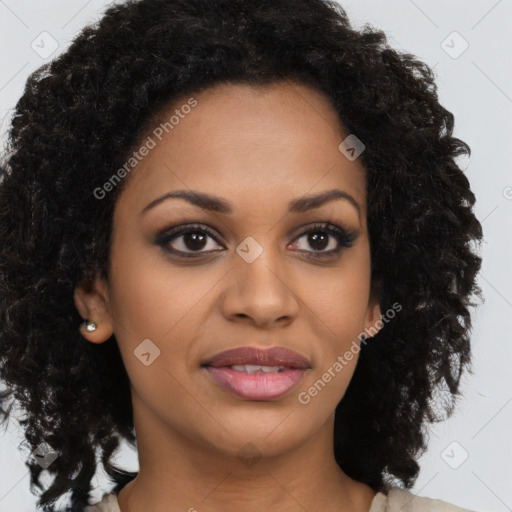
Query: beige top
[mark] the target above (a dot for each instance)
(397, 500)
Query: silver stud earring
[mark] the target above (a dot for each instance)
(89, 326)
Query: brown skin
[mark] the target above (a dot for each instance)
(258, 149)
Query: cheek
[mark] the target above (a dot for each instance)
(339, 298)
(153, 325)
(150, 296)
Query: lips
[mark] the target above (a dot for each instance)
(276, 356)
(256, 374)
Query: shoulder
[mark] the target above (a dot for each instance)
(401, 500)
(107, 504)
(397, 500)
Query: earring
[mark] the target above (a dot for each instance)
(89, 325)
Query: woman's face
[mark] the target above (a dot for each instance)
(259, 270)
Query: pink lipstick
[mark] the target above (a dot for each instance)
(257, 374)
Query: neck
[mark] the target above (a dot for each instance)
(190, 475)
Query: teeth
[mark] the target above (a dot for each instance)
(252, 368)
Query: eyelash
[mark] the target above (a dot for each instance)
(345, 239)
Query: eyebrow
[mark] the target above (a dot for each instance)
(219, 205)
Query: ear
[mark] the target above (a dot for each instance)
(93, 303)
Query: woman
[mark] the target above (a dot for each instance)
(254, 214)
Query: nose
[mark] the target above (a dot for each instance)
(260, 293)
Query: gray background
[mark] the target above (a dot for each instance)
(469, 460)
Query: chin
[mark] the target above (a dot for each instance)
(271, 433)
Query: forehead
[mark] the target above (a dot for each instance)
(262, 141)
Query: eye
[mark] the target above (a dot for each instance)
(324, 236)
(184, 241)
(192, 240)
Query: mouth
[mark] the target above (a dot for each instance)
(256, 374)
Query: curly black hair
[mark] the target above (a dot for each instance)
(79, 117)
